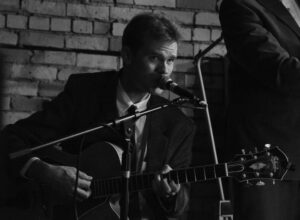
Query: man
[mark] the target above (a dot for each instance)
(263, 42)
(163, 139)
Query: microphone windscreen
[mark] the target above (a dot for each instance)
(164, 82)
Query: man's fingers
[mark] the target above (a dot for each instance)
(166, 168)
(165, 186)
(84, 176)
(82, 194)
(174, 187)
(85, 184)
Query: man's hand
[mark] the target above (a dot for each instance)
(164, 188)
(61, 180)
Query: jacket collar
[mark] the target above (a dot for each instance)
(107, 99)
(157, 139)
(278, 9)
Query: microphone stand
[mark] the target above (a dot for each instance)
(224, 205)
(126, 157)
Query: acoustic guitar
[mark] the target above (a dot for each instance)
(102, 161)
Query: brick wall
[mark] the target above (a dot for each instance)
(44, 41)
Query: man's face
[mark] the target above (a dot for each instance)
(149, 63)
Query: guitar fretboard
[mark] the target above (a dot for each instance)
(111, 186)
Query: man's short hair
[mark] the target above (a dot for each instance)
(147, 27)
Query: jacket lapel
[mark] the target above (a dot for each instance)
(157, 140)
(278, 9)
(107, 101)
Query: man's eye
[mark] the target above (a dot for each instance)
(170, 61)
(153, 58)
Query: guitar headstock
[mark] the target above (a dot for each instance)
(270, 163)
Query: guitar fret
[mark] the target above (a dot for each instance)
(210, 172)
(132, 181)
(177, 177)
(101, 189)
(94, 188)
(182, 176)
(130, 186)
(194, 171)
(186, 177)
(199, 174)
(98, 187)
(115, 186)
(169, 177)
(140, 182)
(136, 185)
(190, 175)
(221, 170)
(145, 180)
(174, 176)
(150, 179)
(109, 182)
(105, 187)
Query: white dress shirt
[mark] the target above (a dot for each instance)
(293, 8)
(123, 103)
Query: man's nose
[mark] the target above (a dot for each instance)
(162, 68)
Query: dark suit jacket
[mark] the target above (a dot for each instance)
(263, 43)
(90, 99)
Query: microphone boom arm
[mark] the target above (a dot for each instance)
(117, 121)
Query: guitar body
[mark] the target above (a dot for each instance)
(101, 161)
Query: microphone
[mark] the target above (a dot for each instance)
(168, 84)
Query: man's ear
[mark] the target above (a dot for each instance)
(126, 54)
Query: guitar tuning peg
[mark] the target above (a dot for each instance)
(268, 146)
(260, 183)
(248, 183)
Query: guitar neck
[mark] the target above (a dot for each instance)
(111, 186)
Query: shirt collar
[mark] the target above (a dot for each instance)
(124, 102)
(286, 3)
